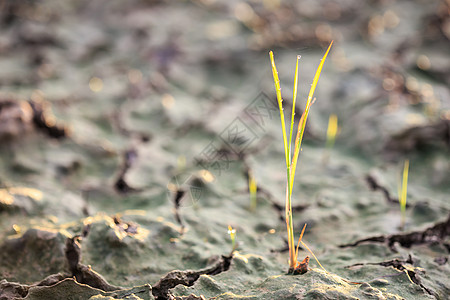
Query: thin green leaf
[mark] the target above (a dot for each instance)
(294, 98)
(302, 124)
(403, 196)
(280, 106)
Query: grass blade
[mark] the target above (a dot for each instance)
(294, 98)
(403, 195)
(280, 106)
(300, 239)
(307, 248)
(302, 123)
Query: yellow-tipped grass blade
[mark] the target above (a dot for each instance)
(280, 106)
(332, 130)
(300, 239)
(302, 123)
(404, 190)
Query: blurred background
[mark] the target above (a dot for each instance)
(187, 62)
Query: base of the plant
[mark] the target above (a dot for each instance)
(301, 268)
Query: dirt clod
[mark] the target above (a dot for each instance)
(301, 268)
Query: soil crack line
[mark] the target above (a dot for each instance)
(161, 290)
(402, 266)
(44, 119)
(82, 273)
(375, 186)
(417, 137)
(434, 234)
(129, 158)
(177, 202)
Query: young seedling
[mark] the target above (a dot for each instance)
(232, 233)
(402, 193)
(291, 161)
(331, 137)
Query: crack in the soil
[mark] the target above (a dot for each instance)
(129, 158)
(283, 249)
(117, 123)
(436, 233)
(180, 192)
(401, 265)
(161, 290)
(418, 137)
(82, 273)
(44, 120)
(177, 202)
(375, 186)
(190, 297)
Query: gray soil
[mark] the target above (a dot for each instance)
(128, 130)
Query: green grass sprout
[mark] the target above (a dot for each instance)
(291, 161)
(402, 192)
(252, 188)
(331, 136)
(332, 130)
(232, 233)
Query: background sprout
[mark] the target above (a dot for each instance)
(252, 187)
(331, 136)
(232, 233)
(291, 161)
(402, 193)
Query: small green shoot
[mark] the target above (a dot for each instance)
(252, 187)
(402, 193)
(291, 161)
(232, 233)
(331, 136)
